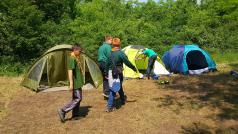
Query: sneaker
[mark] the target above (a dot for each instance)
(105, 98)
(147, 78)
(61, 115)
(123, 103)
(110, 110)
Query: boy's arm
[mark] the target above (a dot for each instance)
(144, 57)
(70, 74)
(145, 54)
(127, 62)
(137, 57)
(107, 66)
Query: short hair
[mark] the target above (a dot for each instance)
(116, 42)
(76, 46)
(108, 37)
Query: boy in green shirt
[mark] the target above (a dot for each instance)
(75, 83)
(152, 58)
(104, 53)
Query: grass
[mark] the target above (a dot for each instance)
(8, 89)
(13, 69)
(216, 92)
(223, 57)
(188, 105)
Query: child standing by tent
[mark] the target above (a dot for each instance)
(75, 83)
(115, 66)
(103, 56)
(152, 58)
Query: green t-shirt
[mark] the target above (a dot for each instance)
(149, 52)
(104, 52)
(77, 75)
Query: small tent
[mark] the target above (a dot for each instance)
(188, 59)
(50, 70)
(132, 52)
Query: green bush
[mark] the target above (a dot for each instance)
(10, 67)
(28, 27)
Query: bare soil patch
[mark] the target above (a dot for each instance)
(188, 104)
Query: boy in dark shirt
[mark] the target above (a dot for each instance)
(117, 59)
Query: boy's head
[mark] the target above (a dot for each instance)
(76, 49)
(144, 49)
(116, 42)
(108, 39)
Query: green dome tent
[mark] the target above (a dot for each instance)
(50, 70)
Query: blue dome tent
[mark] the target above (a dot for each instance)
(188, 59)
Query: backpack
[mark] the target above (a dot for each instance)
(115, 72)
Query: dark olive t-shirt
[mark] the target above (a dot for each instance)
(77, 75)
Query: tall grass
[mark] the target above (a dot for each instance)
(12, 67)
(224, 56)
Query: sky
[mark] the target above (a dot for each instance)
(146, 0)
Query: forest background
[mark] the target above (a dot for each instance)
(29, 27)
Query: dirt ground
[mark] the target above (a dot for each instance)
(205, 104)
